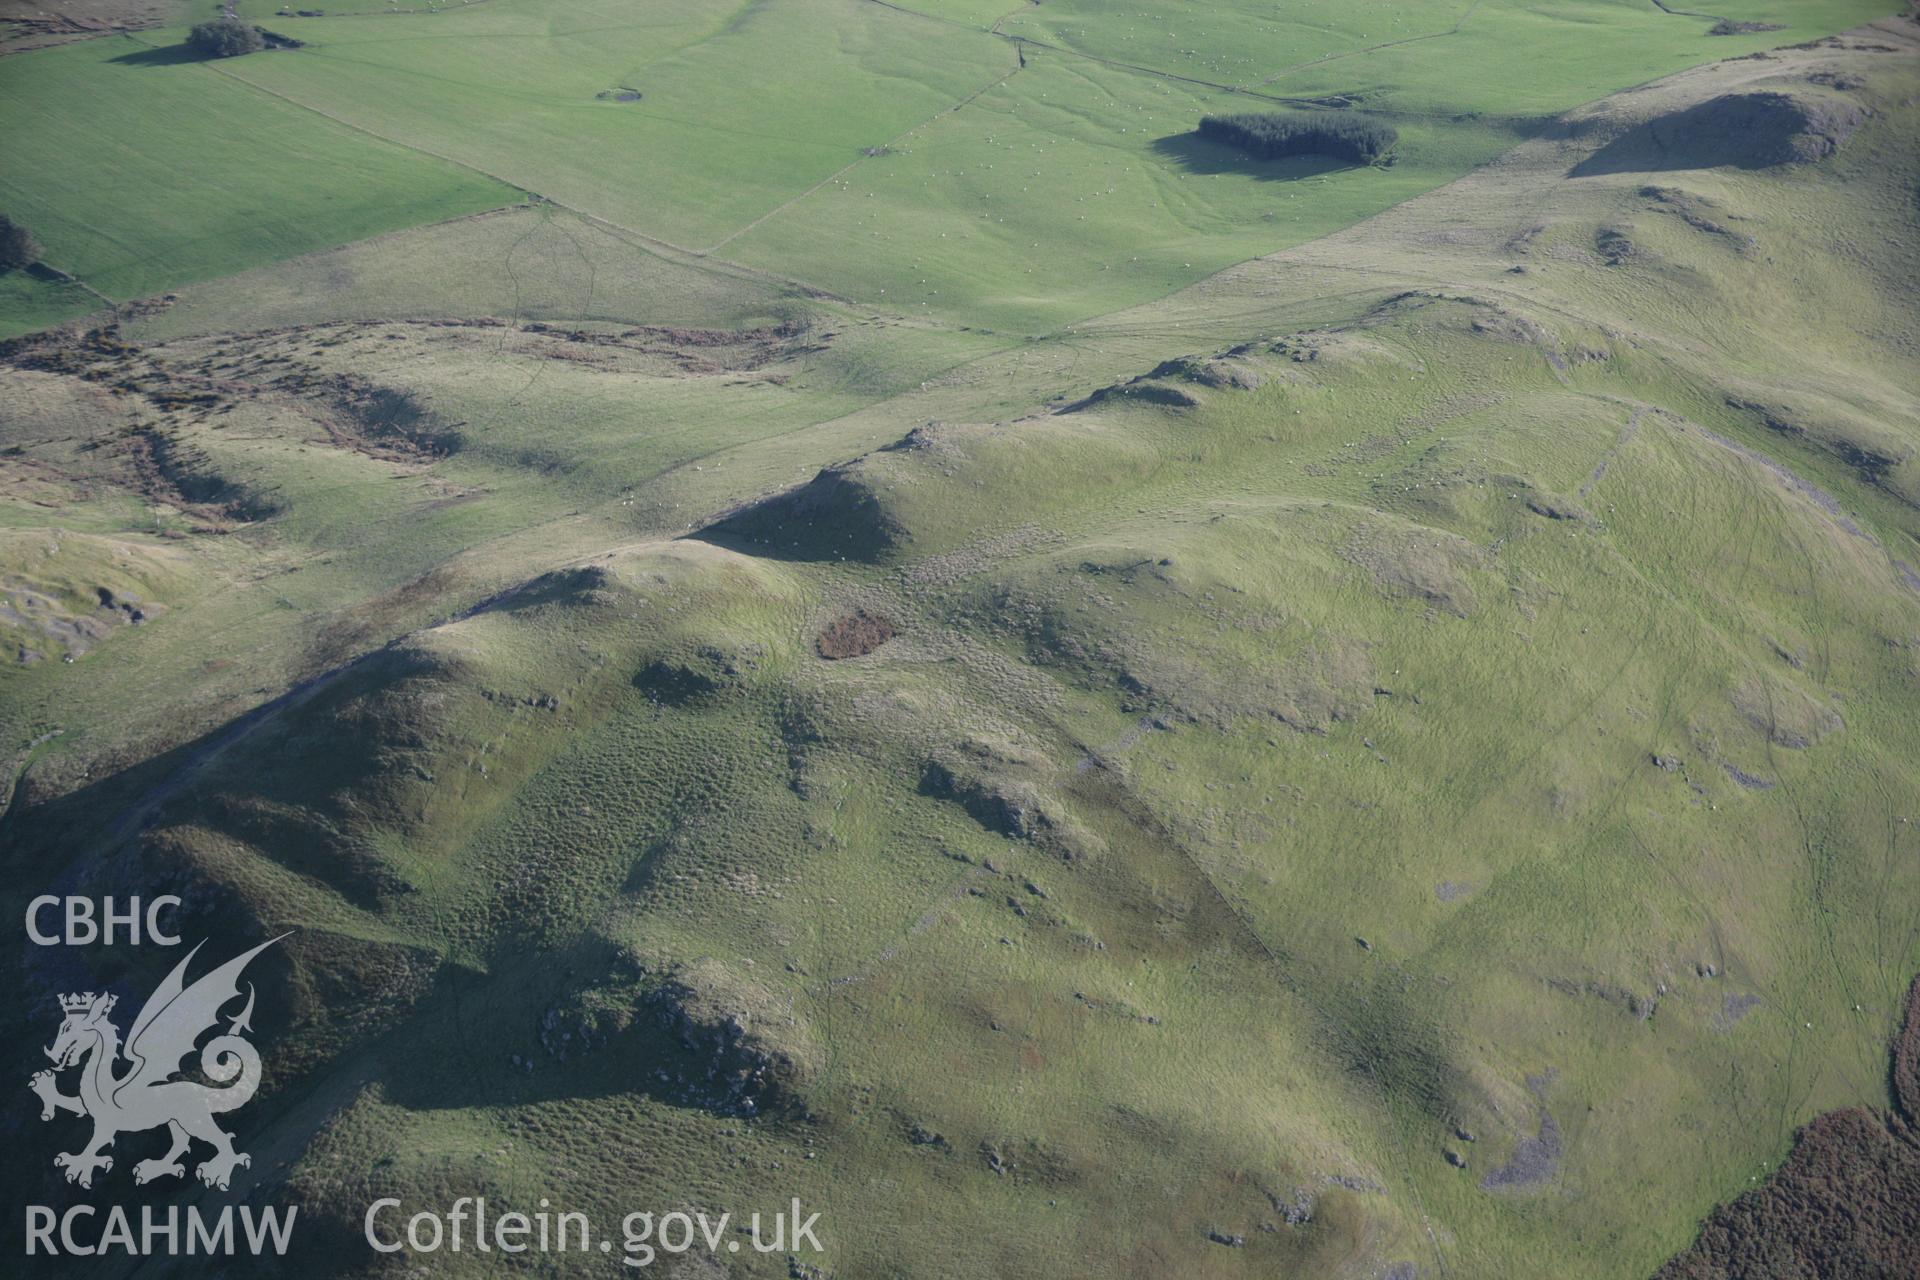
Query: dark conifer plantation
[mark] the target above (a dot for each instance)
(1272, 135)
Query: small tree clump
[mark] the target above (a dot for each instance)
(18, 248)
(225, 38)
(1272, 135)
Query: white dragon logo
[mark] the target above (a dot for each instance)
(146, 1095)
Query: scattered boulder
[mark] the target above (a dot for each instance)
(1788, 717)
(1221, 373)
(1418, 563)
(1614, 245)
(1502, 325)
(1298, 1211)
(993, 791)
(1556, 508)
(1534, 1161)
(1881, 457)
(1735, 1006)
(758, 1055)
(1694, 211)
(1145, 390)
(921, 1136)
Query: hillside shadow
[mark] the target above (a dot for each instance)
(170, 55)
(834, 516)
(519, 1033)
(1195, 154)
(1741, 131)
(351, 998)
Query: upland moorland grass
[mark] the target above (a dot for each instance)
(1455, 676)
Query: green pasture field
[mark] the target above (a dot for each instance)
(141, 171)
(788, 133)
(1495, 57)
(1072, 189)
(808, 86)
(36, 302)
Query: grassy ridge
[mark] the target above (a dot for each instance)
(1456, 677)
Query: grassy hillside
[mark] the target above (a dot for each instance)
(1393, 760)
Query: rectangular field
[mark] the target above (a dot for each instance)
(141, 170)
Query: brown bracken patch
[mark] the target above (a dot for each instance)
(853, 635)
(1845, 1203)
(1906, 1060)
